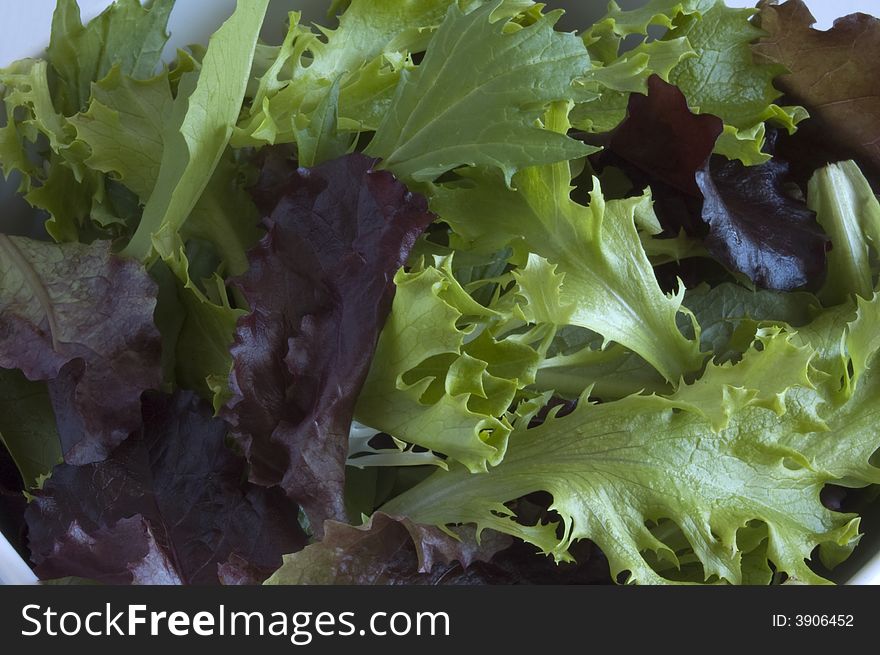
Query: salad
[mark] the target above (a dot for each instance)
(443, 294)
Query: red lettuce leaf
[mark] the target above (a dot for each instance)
(169, 506)
(395, 551)
(756, 228)
(81, 319)
(746, 218)
(319, 287)
(662, 138)
(833, 73)
(386, 550)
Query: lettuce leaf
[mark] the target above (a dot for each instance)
(831, 72)
(440, 378)
(847, 208)
(129, 519)
(756, 227)
(40, 96)
(206, 108)
(723, 78)
(127, 36)
(81, 319)
(475, 97)
(319, 289)
(611, 467)
(589, 258)
(27, 427)
(385, 550)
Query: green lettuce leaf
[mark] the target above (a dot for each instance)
(363, 55)
(847, 208)
(613, 467)
(440, 379)
(124, 128)
(39, 96)
(723, 79)
(202, 118)
(586, 265)
(476, 96)
(726, 81)
(126, 34)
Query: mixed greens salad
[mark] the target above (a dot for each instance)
(443, 295)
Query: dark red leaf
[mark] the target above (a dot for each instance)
(756, 228)
(833, 73)
(661, 136)
(319, 287)
(746, 217)
(169, 506)
(80, 318)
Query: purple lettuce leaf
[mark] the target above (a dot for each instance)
(319, 287)
(745, 216)
(756, 228)
(171, 505)
(81, 319)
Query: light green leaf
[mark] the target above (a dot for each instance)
(626, 74)
(124, 129)
(609, 374)
(614, 466)
(604, 279)
(847, 208)
(773, 365)
(204, 112)
(438, 384)
(475, 98)
(319, 139)
(729, 315)
(196, 329)
(726, 81)
(364, 54)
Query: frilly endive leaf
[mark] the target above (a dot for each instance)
(773, 365)
(614, 466)
(437, 383)
(602, 278)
